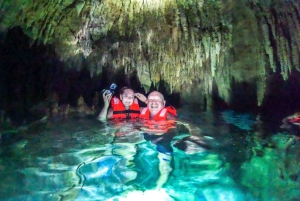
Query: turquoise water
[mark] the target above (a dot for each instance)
(206, 157)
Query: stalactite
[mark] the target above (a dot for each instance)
(174, 42)
(267, 45)
(184, 25)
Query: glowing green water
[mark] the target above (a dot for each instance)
(82, 159)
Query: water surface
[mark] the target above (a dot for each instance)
(206, 157)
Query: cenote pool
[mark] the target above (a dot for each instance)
(224, 156)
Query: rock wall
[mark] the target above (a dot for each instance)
(202, 49)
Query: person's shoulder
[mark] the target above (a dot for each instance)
(171, 116)
(172, 112)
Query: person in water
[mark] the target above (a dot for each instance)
(154, 119)
(156, 109)
(158, 124)
(124, 108)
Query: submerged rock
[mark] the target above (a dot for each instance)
(192, 144)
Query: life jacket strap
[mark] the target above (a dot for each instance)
(127, 111)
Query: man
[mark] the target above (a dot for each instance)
(156, 109)
(158, 122)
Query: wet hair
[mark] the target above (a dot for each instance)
(122, 90)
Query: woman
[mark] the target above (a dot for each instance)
(124, 108)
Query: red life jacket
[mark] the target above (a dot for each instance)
(161, 115)
(119, 110)
(158, 123)
(160, 127)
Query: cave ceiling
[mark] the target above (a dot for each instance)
(184, 43)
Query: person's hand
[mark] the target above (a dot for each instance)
(106, 98)
(141, 97)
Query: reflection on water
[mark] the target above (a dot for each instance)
(202, 157)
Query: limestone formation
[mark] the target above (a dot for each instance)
(196, 47)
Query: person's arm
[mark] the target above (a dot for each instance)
(105, 112)
(141, 97)
(141, 109)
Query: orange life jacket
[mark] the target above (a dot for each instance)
(161, 115)
(159, 123)
(161, 126)
(119, 110)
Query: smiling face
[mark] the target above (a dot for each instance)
(127, 97)
(156, 102)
